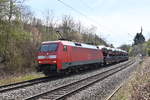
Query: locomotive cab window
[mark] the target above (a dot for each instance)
(65, 48)
(49, 47)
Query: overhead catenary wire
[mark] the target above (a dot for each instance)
(67, 5)
(86, 5)
(84, 15)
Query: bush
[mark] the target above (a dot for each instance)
(17, 47)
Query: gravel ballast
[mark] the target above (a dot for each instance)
(41, 87)
(103, 89)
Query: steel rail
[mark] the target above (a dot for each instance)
(70, 88)
(117, 89)
(13, 86)
(22, 84)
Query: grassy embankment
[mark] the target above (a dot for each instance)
(138, 87)
(19, 78)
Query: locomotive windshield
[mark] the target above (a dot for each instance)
(49, 47)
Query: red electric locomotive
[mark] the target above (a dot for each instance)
(57, 56)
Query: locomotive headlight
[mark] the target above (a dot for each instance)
(52, 56)
(41, 57)
(40, 62)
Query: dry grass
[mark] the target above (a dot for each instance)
(19, 78)
(138, 87)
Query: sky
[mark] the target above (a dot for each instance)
(117, 21)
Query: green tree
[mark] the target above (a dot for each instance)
(139, 38)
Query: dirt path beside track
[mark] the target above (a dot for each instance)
(138, 88)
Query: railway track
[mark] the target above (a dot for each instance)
(66, 90)
(15, 86)
(117, 89)
(22, 84)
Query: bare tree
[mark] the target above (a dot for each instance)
(10, 9)
(49, 25)
(26, 15)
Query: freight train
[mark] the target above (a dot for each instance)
(64, 56)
